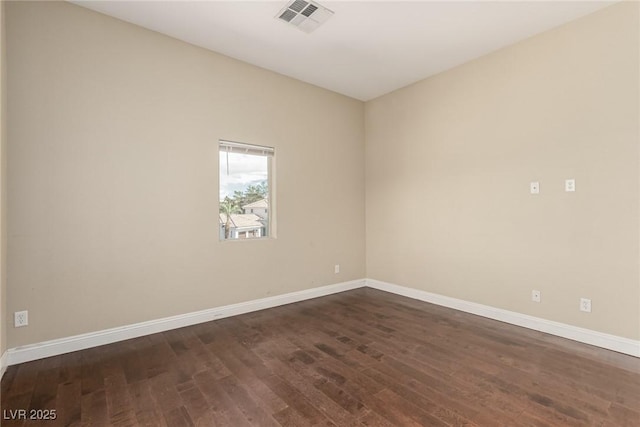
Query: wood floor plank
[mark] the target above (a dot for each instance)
(294, 399)
(22, 378)
(248, 405)
(93, 409)
(68, 401)
(328, 407)
(46, 386)
(147, 411)
(178, 417)
(359, 358)
(441, 406)
(224, 410)
(405, 412)
(195, 403)
(119, 406)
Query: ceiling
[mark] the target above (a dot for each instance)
(366, 49)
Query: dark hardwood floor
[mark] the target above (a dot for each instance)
(362, 357)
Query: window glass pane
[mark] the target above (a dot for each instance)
(244, 191)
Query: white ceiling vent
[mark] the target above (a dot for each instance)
(306, 15)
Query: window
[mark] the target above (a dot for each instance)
(246, 182)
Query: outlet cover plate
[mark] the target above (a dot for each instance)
(585, 305)
(20, 318)
(570, 185)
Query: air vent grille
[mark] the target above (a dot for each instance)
(298, 5)
(306, 15)
(288, 15)
(309, 10)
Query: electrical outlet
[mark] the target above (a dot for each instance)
(569, 185)
(535, 296)
(336, 269)
(20, 318)
(585, 305)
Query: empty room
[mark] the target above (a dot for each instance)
(337, 213)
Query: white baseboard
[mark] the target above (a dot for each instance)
(3, 364)
(80, 342)
(587, 336)
(108, 336)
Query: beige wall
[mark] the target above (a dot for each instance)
(449, 161)
(112, 197)
(4, 318)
